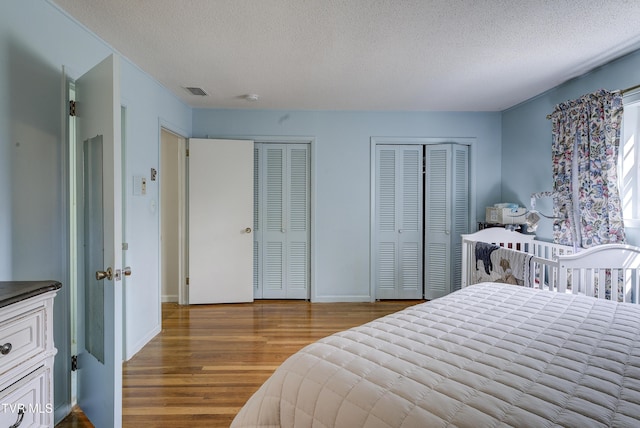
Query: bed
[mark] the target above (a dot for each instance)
(489, 355)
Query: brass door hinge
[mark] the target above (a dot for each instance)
(72, 108)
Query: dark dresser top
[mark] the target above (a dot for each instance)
(16, 291)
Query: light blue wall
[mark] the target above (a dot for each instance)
(526, 136)
(36, 41)
(512, 161)
(148, 107)
(342, 175)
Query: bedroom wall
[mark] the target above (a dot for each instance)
(526, 136)
(36, 40)
(341, 172)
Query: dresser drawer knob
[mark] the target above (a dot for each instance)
(6, 348)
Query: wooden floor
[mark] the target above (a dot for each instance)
(209, 359)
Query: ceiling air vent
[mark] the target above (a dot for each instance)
(197, 91)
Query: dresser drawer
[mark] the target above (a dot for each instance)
(27, 402)
(21, 338)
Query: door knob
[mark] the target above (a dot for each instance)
(100, 274)
(247, 230)
(127, 271)
(6, 348)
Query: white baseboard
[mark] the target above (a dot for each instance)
(341, 299)
(169, 298)
(138, 346)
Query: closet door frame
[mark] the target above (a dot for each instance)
(375, 141)
(287, 235)
(311, 141)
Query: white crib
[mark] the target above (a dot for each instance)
(602, 271)
(543, 269)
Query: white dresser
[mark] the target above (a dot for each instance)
(26, 353)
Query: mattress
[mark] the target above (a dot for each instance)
(489, 355)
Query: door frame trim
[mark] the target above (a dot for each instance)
(307, 145)
(183, 296)
(67, 345)
(303, 139)
(311, 141)
(422, 141)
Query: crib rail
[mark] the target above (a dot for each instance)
(547, 269)
(495, 235)
(544, 265)
(610, 271)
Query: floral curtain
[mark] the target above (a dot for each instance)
(586, 138)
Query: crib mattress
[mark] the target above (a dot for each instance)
(488, 355)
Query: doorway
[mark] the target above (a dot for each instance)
(421, 202)
(282, 206)
(299, 149)
(171, 187)
(95, 242)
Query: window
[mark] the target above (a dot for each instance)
(629, 165)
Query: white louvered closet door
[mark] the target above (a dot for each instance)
(399, 222)
(446, 216)
(461, 209)
(282, 208)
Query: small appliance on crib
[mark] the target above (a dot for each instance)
(506, 213)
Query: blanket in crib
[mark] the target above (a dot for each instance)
(498, 264)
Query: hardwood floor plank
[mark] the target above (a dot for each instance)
(209, 359)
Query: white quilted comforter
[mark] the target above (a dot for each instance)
(489, 355)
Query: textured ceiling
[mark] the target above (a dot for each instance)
(446, 55)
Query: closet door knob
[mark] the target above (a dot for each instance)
(247, 230)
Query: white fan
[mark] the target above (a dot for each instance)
(532, 216)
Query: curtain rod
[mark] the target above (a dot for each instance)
(623, 91)
(633, 88)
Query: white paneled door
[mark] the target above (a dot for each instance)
(99, 317)
(282, 223)
(220, 195)
(399, 222)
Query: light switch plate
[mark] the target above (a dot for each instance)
(139, 185)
